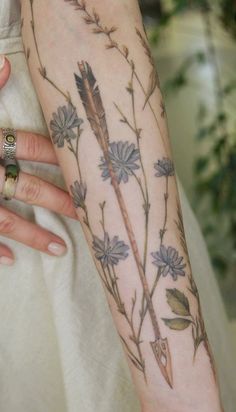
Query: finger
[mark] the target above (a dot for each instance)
(35, 191)
(33, 146)
(15, 227)
(6, 255)
(5, 70)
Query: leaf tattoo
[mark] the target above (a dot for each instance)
(198, 327)
(92, 102)
(178, 302)
(177, 323)
(179, 305)
(119, 161)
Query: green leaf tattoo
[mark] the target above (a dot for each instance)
(178, 302)
(177, 323)
(120, 161)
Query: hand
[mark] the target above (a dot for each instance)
(32, 190)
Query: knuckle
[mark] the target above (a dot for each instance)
(31, 190)
(33, 147)
(7, 224)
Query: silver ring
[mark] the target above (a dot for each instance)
(9, 143)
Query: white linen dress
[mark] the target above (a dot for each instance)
(59, 350)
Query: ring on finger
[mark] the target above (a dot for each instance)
(10, 163)
(11, 179)
(9, 143)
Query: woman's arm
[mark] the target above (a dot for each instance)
(96, 80)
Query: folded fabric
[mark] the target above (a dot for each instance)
(59, 350)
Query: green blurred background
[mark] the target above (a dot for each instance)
(194, 45)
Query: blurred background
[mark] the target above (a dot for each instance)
(194, 46)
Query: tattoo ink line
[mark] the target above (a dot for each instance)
(91, 99)
(94, 19)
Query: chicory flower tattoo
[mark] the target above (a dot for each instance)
(109, 251)
(124, 158)
(63, 123)
(79, 191)
(164, 167)
(119, 161)
(169, 261)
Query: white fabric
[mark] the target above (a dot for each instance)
(59, 351)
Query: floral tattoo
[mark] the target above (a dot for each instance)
(124, 158)
(169, 262)
(120, 161)
(109, 252)
(63, 125)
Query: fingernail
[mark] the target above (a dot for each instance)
(57, 248)
(2, 61)
(4, 260)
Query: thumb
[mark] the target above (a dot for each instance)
(5, 69)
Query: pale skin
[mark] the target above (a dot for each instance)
(32, 190)
(129, 213)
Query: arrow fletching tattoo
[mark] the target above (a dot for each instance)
(121, 161)
(93, 105)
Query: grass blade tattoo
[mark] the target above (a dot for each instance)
(98, 28)
(42, 69)
(199, 334)
(120, 162)
(63, 125)
(92, 102)
(133, 126)
(153, 77)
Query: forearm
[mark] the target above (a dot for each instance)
(97, 85)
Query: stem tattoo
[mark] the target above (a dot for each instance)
(120, 162)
